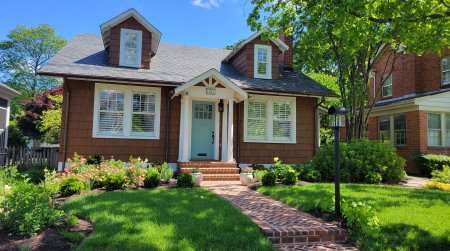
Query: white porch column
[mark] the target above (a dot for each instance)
(181, 138)
(224, 131)
(185, 129)
(230, 131)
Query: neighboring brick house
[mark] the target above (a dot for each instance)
(412, 109)
(125, 93)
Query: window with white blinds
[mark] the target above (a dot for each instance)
(126, 111)
(130, 48)
(270, 119)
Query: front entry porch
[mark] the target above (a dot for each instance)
(206, 125)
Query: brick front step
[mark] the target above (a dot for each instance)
(220, 177)
(303, 236)
(212, 170)
(206, 164)
(317, 246)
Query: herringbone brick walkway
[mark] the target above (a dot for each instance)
(285, 226)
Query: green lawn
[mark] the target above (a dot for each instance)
(411, 219)
(165, 219)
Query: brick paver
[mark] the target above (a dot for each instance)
(287, 227)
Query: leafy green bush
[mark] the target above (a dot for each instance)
(115, 181)
(269, 179)
(152, 178)
(50, 186)
(258, 167)
(71, 185)
(258, 174)
(361, 219)
(72, 220)
(290, 178)
(360, 159)
(307, 173)
(166, 172)
(36, 173)
(10, 174)
(185, 180)
(427, 163)
(95, 159)
(441, 176)
(26, 210)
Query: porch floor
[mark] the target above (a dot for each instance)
(287, 227)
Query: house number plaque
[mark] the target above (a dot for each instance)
(211, 90)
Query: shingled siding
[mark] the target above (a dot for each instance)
(114, 48)
(300, 152)
(243, 61)
(79, 136)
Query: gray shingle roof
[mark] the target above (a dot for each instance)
(86, 57)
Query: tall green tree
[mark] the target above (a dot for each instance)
(342, 38)
(22, 55)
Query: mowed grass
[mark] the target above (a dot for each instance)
(411, 219)
(165, 219)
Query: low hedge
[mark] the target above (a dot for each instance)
(362, 161)
(427, 163)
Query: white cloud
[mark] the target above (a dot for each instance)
(206, 3)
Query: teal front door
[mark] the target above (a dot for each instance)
(202, 140)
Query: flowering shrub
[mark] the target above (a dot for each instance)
(97, 175)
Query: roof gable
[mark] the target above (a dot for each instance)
(105, 28)
(277, 41)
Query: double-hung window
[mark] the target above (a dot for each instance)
(126, 111)
(270, 119)
(130, 48)
(263, 61)
(386, 87)
(392, 129)
(439, 129)
(446, 71)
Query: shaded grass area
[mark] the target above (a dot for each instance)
(165, 219)
(411, 219)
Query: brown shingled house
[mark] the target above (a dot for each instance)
(126, 93)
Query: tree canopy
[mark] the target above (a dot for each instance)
(342, 38)
(21, 56)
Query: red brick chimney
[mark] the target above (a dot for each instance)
(286, 58)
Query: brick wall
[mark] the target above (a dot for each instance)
(411, 74)
(79, 137)
(114, 48)
(243, 61)
(417, 140)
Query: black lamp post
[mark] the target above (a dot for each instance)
(337, 115)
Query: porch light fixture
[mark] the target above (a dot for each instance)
(337, 115)
(221, 105)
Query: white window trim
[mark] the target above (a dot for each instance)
(443, 71)
(269, 61)
(443, 129)
(269, 100)
(383, 85)
(392, 129)
(122, 48)
(127, 111)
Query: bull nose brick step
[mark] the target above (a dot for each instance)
(212, 170)
(285, 226)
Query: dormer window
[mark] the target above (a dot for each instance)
(130, 48)
(263, 61)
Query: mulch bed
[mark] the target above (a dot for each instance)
(47, 239)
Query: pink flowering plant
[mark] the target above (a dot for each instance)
(94, 176)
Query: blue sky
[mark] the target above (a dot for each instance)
(208, 23)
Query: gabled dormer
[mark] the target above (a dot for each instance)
(258, 58)
(130, 39)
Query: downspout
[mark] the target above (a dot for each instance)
(166, 147)
(66, 119)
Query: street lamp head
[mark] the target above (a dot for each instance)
(338, 116)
